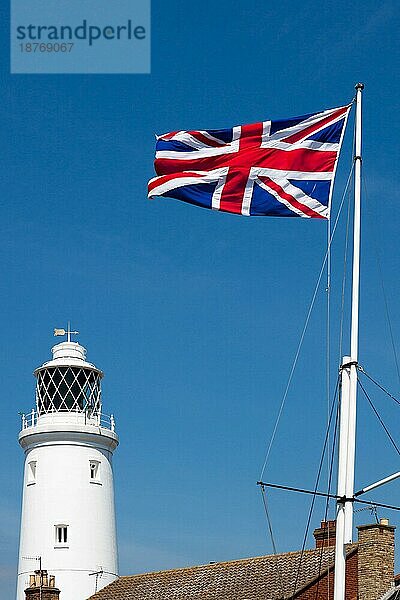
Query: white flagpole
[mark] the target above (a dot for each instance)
(344, 514)
(351, 447)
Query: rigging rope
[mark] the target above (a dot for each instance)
(328, 332)
(346, 248)
(297, 354)
(379, 385)
(379, 417)
(327, 499)
(372, 503)
(278, 567)
(344, 279)
(324, 495)
(311, 510)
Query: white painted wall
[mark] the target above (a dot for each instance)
(64, 493)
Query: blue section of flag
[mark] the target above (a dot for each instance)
(225, 135)
(173, 146)
(319, 190)
(281, 124)
(330, 134)
(199, 194)
(263, 203)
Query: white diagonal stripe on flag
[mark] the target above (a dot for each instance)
(313, 119)
(297, 195)
(216, 197)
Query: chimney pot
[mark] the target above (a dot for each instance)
(325, 535)
(42, 587)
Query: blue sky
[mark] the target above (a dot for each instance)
(193, 315)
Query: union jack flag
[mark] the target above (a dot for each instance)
(281, 168)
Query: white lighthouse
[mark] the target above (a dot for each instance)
(68, 516)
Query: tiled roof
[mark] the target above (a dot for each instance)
(392, 594)
(270, 577)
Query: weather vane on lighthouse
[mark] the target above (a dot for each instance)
(67, 332)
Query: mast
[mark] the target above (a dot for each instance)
(344, 511)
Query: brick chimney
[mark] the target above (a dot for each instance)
(375, 559)
(42, 587)
(325, 535)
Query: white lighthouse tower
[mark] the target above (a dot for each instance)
(68, 517)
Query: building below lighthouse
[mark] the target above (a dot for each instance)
(68, 515)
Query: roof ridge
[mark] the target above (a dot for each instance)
(226, 575)
(236, 560)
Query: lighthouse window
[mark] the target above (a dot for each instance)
(61, 535)
(94, 470)
(66, 389)
(31, 472)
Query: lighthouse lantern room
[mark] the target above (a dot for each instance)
(68, 516)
